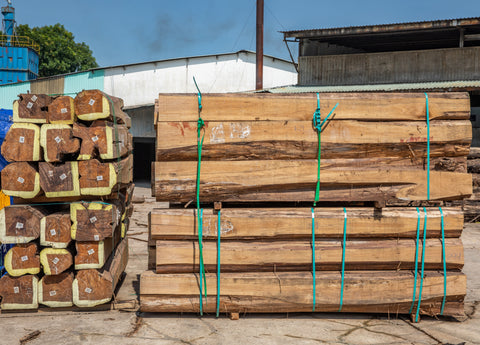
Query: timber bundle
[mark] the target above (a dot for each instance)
(70, 177)
(270, 212)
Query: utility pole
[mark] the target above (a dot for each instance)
(259, 50)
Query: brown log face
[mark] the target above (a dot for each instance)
(19, 176)
(60, 110)
(33, 106)
(57, 228)
(92, 286)
(24, 256)
(59, 263)
(94, 174)
(22, 221)
(87, 253)
(17, 290)
(57, 288)
(19, 144)
(88, 101)
(59, 178)
(59, 143)
(95, 225)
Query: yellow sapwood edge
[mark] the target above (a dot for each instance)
(72, 115)
(17, 272)
(16, 118)
(44, 259)
(100, 256)
(52, 304)
(44, 242)
(99, 115)
(85, 303)
(103, 190)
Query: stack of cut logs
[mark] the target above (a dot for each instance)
(265, 249)
(71, 179)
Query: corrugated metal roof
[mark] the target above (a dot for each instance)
(466, 85)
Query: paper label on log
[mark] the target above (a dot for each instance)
(95, 138)
(19, 225)
(88, 290)
(93, 219)
(52, 293)
(63, 110)
(63, 177)
(91, 102)
(24, 258)
(21, 139)
(90, 251)
(58, 139)
(16, 289)
(53, 232)
(20, 179)
(55, 261)
(99, 178)
(50, 173)
(96, 237)
(34, 98)
(29, 105)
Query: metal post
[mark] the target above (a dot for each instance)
(259, 53)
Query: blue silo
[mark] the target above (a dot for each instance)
(18, 55)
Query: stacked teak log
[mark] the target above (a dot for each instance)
(378, 239)
(71, 179)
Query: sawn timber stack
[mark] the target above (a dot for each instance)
(254, 244)
(71, 176)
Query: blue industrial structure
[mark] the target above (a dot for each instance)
(18, 55)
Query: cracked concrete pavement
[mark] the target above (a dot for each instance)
(123, 327)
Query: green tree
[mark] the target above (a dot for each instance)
(59, 53)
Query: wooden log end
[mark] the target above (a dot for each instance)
(55, 261)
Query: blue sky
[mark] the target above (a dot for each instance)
(122, 32)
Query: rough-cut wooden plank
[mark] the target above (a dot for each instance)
(91, 105)
(61, 110)
(55, 230)
(94, 221)
(22, 143)
(20, 179)
(94, 254)
(59, 180)
(290, 107)
(55, 260)
(101, 179)
(94, 287)
(56, 291)
(298, 140)
(289, 223)
(58, 142)
(103, 140)
(22, 259)
(296, 255)
(280, 292)
(19, 293)
(31, 108)
(296, 181)
(19, 223)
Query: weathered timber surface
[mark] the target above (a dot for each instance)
(22, 259)
(59, 180)
(55, 260)
(19, 223)
(93, 221)
(55, 230)
(56, 291)
(288, 107)
(19, 292)
(280, 292)
(31, 108)
(290, 223)
(94, 287)
(296, 181)
(58, 142)
(101, 179)
(61, 110)
(102, 140)
(22, 143)
(91, 105)
(296, 255)
(260, 140)
(20, 179)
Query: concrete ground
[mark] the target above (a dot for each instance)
(127, 327)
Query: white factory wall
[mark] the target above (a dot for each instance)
(140, 84)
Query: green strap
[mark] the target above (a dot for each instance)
(313, 261)
(219, 230)
(428, 146)
(343, 256)
(423, 263)
(416, 262)
(444, 263)
(200, 137)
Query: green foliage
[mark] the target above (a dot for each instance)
(59, 53)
